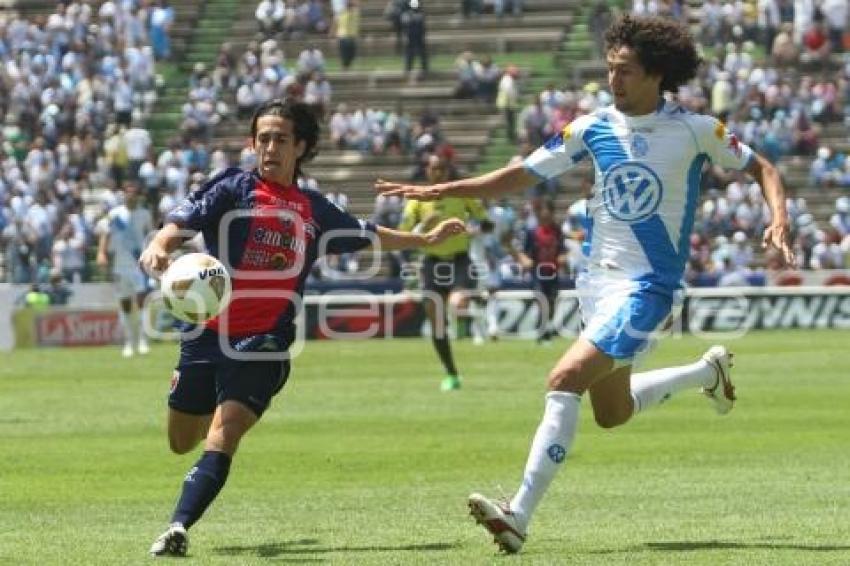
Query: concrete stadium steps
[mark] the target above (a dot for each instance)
(330, 157)
(502, 40)
(448, 33)
(449, 21)
(374, 9)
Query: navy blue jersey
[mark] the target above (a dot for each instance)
(269, 236)
(543, 245)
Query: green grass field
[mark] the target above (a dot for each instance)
(361, 460)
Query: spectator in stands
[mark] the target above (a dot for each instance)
(535, 122)
(138, 142)
(840, 220)
(270, 15)
(467, 82)
(393, 12)
(600, 19)
(387, 211)
(816, 43)
(115, 152)
(57, 290)
(318, 92)
(732, 275)
(835, 12)
(722, 94)
(768, 18)
(416, 41)
(805, 135)
(784, 51)
(69, 254)
(507, 100)
(162, 16)
(487, 77)
(346, 28)
(224, 74)
(311, 59)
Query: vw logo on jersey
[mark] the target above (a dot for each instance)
(631, 191)
(639, 146)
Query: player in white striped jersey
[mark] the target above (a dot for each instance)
(649, 155)
(123, 233)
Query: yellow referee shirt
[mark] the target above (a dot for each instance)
(422, 216)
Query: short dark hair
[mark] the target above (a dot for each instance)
(305, 125)
(664, 47)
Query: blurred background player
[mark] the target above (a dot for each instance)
(487, 254)
(122, 236)
(544, 255)
(447, 274)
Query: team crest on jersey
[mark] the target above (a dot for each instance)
(640, 146)
(278, 261)
(631, 191)
(175, 379)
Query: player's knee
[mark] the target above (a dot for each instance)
(610, 419)
(181, 444)
(566, 378)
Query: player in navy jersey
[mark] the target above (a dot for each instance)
(269, 232)
(649, 155)
(544, 254)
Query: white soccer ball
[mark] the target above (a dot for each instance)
(196, 287)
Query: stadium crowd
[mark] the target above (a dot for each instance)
(77, 86)
(766, 76)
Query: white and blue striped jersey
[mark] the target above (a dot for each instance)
(648, 173)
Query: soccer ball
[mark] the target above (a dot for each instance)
(196, 287)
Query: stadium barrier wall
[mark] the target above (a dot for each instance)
(90, 319)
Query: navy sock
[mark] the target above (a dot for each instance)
(202, 484)
(444, 350)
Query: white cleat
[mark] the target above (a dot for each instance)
(499, 521)
(144, 348)
(127, 351)
(173, 542)
(722, 395)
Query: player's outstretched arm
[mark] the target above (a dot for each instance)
(390, 239)
(501, 181)
(155, 258)
(778, 233)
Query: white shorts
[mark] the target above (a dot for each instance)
(625, 318)
(129, 282)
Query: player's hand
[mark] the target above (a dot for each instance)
(778, 235)
(154, 260)
(102, 260)
(415, 192)
(445, 229)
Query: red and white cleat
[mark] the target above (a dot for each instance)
(507, 530)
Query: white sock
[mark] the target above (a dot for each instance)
(124, 319)
(492, 316)
(549, 448)
(652, 388)
(139, 325)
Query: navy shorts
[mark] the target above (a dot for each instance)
(549, 288)
(205, 378)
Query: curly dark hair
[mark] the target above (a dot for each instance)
(305, 125)
(664, 47)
